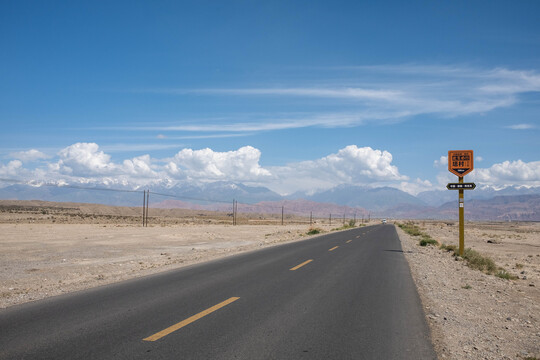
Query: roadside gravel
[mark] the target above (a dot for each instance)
(473, 315)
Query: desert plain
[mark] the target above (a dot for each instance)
(49, 249)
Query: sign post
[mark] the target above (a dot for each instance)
(460, 163)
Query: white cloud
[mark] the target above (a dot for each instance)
(139, 167)
(510, 173)
(442, 162)
(207, 164)
(12, 169)
(478, 159)
(350, 165)
(415, 187)
(84, 159)
(386, 93)
(29, 156)
(521, 127)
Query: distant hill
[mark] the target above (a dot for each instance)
(499, 208)
(300, 207)
(512, 203)
(369, 198)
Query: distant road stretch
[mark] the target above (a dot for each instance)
(345, 295)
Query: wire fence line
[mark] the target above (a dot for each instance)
(253, 212)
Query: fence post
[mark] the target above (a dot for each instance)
(144, 207)
(234, 212)
(330, 219)
(147, 205)
(311, 218)
(282, 211)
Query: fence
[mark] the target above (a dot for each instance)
(74, 203)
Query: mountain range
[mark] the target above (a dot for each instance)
(484, 203)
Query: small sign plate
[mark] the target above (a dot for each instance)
(460, 162)
(460, 186)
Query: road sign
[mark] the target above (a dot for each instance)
(461, 186)
(460, 162)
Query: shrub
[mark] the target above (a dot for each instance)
(503, 274)
(449, 248)
(476, 261)
(426, 240)
(314, 231)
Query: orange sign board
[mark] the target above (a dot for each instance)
(460, 162)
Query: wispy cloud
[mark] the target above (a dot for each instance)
(139, 147)
(369, 93)
(521, 127)
(209, 136)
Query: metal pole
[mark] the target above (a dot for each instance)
(282, 210)
(461, 220)
(233, 212)
(236, 212)
(311, 218)
(147, 205)
(330, 218)
(143, 207)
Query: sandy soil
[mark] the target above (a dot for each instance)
(473, 315)
(50, 249)
(41, 260)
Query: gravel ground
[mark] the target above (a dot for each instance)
(473, 315)
(42, 260)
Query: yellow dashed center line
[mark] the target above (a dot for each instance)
(300, 265)
(334, 248)
(348, 241)
(189, 320)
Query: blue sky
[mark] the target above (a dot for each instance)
(292, 95)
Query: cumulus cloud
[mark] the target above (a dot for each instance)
(442, 162)
(140, 166)
(207, 164)
(415, 187)
(351, 165)
(12, 169)
(84, 159)
(354, 164)
(510, 173)
(28, 156)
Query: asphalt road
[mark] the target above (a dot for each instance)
(355, 299)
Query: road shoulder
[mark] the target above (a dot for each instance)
(472, 315)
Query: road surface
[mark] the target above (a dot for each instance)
(344, 295)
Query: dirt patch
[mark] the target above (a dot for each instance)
(42, 260)
(473, 315)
